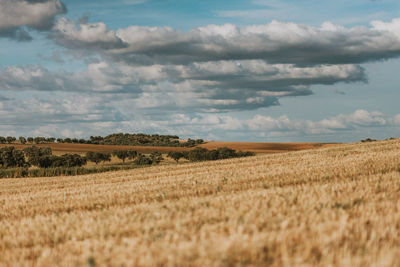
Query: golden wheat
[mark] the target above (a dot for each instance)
(336, 206)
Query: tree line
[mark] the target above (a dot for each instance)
(42, 157)
(203, 154)
(112, 139)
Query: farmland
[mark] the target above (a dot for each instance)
(62, 148)
(331, 206)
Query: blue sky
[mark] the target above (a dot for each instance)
(268, 71)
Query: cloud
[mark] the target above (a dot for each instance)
(85, 115)
(343, 122)
(90, 36)
(42, 110)
(276, 43)
(206, 86)
(18, 15)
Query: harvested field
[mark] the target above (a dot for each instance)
(333, 206)
(265, 147)
(64, 148)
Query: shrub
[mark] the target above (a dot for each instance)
(175, 155)
(10, 157)
(201, 154)
(143, 160)
(368, 140)
(34, 153)
(98, 157)
(156, 157)
(121, 154)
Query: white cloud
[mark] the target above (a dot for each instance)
(360, 118)
(16, 14)
(205, 86)
(276, 42)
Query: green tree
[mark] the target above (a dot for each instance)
(46, 161)
(175, 155)
(156, 157)
(22, 140)
(34, 153)
(50, 140)
(10, 139)
(143, 160)
(198, 154)
(121, 154)
(98, 157)
(11, 157)
(132, 154)
(39, 140)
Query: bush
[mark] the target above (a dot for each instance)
(368, 140)
(201, 154)
(98, 157)
(68, 161)
(34, 154)
(175, 155)
(143, 160)
(121, 154)
(10, 157)
(156, 157)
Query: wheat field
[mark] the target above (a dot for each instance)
(335, 206)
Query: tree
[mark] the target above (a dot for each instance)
(226, 153)
(132, 154)
(39, 140)
(30, 139)
(68, 160)
(3, 140)
(10, 157)
(143, 160)
(22, 140)
(45, 161)
(98, 157)
(10, 139)
(198, 154)
(175, 155)
(121, 154)
(73, 160)
(34, 154)
(156, 157)
(50, 140)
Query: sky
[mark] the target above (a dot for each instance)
(261, 70)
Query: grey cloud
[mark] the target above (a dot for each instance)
(343, 122)
(207, 126)
(16, 16)
(276, 42)
(3, 98)
(89, 36)
(206, 87)
(66, 108)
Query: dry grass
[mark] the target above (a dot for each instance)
(264, 148)
(336, 206)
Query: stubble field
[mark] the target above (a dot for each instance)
(333, 206)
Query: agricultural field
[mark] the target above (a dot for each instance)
(330, 206)
(63, 148)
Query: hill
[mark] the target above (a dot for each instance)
(331, 206)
